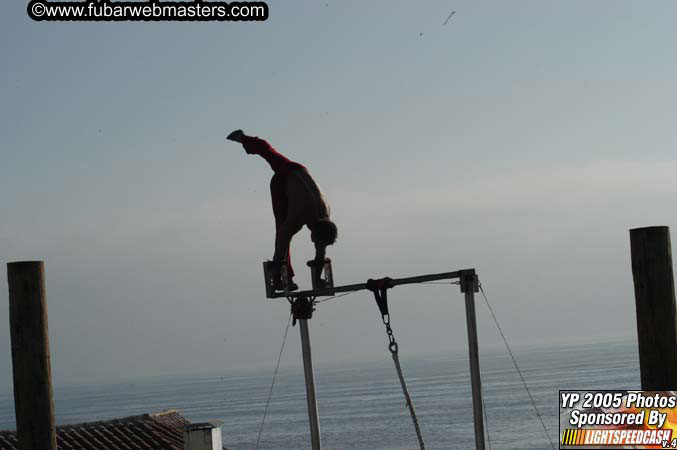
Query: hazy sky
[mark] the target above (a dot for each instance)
(522, 138)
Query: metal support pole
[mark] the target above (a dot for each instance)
(469, 286)
(310, 386)
(302, 309)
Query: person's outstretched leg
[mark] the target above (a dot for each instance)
(257, 146)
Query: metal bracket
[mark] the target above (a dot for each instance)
(468, 281)
(302, 309)
(321, 274)
(268, 278)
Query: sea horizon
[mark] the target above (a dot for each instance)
(364, 397)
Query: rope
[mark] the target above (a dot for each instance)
(270, 393)
(514, 361)
(410, 405)
(336, 296)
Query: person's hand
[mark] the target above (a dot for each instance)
(236, 136)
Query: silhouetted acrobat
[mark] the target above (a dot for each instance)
(297, 201)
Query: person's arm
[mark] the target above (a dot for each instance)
(320, 253)
(318, 262)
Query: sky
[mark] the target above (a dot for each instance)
(523, 139)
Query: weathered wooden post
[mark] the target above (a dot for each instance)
(655, 305)
(33, 399)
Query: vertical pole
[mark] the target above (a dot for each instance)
(33, 398)
(302, 310)
(469, 286)
(655, 307)
(310, 386)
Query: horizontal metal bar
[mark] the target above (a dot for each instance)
(433, 277)
(328, 292)
(361, 286)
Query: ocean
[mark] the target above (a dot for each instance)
(361, 405)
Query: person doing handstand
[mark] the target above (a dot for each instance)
(297, 201)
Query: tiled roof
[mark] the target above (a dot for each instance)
(161, 431)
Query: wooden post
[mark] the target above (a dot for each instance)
(655, 306)
(33, 399)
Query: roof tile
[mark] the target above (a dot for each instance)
(158, 431)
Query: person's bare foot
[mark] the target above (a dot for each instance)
(236, 136)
